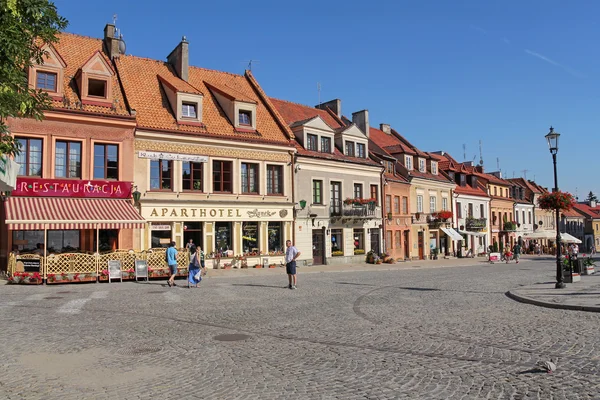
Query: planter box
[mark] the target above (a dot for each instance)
(29, 282)
(82, 279)
(589, 270)
(572, 278)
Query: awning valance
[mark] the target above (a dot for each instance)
(31, 213)
(472, 233)
(452, 233)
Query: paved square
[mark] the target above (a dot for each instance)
(448, 333)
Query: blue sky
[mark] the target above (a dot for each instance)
(443, 73)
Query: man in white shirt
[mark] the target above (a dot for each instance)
(291, 253)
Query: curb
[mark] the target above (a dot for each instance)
(529, 300)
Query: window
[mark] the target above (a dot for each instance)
(361, 149)
(317, 192)
(505, 192)
(396, 205)
(192, 176)
(408, 162)
(398, 239)
(516, 216)
(45, 81)
(189, 110)
(432, 204)
(388, 203)
(160, 238)
(482, 212)
(274, 179)
(434, 167)
(470, 210)
(359, 239)
(97, 88)
(404, 205)
(245, 117)
(358, 191)
(249, 178)
(495, 194)
(106, 161)
(523, 216)
(193, 230)
(222, 176)
(374, 193)
(275, 232)
(325, 145)
(63, 241)
(250, 237)
(223, 237)
(529, 216)
(458, 209)
(419, 203)
(388, 239)
(161, 175)
(389, 167)
(350, 149)
(109, 239)
(30, 158)
(444, 204)
(337, 240)
(67, 156)
(421, 165)
(311, 142)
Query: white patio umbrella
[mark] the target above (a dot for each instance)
(540, 235)
(566, 238)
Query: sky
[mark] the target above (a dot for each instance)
(445, 74)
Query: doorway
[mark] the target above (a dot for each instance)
(375, 241)
(318, 244)
(421, 246)
(406, 248)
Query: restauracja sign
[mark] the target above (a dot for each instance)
(37, 187)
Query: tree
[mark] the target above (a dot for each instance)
(25, 26)
(591, 197)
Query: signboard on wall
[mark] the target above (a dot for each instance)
(156, 155)
(29, 264)
(216, 213)
(38, 187)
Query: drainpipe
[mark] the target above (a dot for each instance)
(292, 155)
(383, 231)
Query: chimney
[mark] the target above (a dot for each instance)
(385, 128)
(361, 119)
(497, 174)
(111, 41)
(180, 59)
(593, 203)
(479, 168)
(334, 105)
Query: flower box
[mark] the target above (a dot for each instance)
(258, 266)
(26, 278)
(359, 251)
(71, 277)
(272, 266)
(337, 253)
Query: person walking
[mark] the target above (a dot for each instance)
(291, 254)
(194, 275)
(172, 262)
(517, 251)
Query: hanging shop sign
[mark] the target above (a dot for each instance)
(156, 155)
(160, 227)
(38, 187)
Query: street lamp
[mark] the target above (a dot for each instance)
(552, 138)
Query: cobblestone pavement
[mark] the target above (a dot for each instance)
(448, 333)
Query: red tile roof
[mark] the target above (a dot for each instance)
(294, 112)
(592, 212)
(337, 155)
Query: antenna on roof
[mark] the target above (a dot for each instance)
(513, 174)
(250, 64)
(319, 91)
(498, 163)
(480, 153)
(464, 152)
(524, 171)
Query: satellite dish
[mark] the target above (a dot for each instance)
(122, 46)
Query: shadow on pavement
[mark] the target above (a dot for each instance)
(257, 285)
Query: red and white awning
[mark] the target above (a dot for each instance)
(32, 213)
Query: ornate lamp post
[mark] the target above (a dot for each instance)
(552, 138)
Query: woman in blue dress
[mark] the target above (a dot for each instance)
(194, 268)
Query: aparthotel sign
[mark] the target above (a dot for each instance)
(215, 213)
(37, 187)
(155, 155)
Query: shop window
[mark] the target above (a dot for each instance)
(358, 191)
(337, 241)
(109, 240)
(192, 176)
(106, 161)
(359, 239)
(249, 178)
(223, 238)
(67, 160)
(325, 145)
(274, 179)
(30, 158)
(250, 244)
(28, 241)
(161, 175)
(63, 241)
(312, 142)
(275, 232)
(192, 230)
(317, 192)
(222, 176)
(45, 81)
(161, 238)
(97, 88)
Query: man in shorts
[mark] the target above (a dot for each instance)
(291, 253)
(172, 261)
(517, 251)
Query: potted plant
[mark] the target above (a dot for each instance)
(370, 257)
(563, 201)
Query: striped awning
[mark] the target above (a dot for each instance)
(31, 213)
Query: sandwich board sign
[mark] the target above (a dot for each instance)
(114, 270)
(141, 269)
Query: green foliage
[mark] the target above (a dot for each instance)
(501, 247)
(25, 25)
(591, 196)
(495, 247)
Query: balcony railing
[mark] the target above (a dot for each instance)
(339, 209)
(475, 224)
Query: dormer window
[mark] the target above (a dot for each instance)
(189, 110)
(421, 165)
(434, 168)
(97, 88)
(312, 142)
(325, 144)
(245, 117)
(360, 150)
(95, 81)
(45, 81)
(408, 162)
(350, 149)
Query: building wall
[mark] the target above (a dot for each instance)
(477, 244)
(318, 216)
(501, 209)
(526, 225)
(397, 223)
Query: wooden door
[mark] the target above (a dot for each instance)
(318, 244)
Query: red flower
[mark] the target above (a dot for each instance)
(551, 201)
